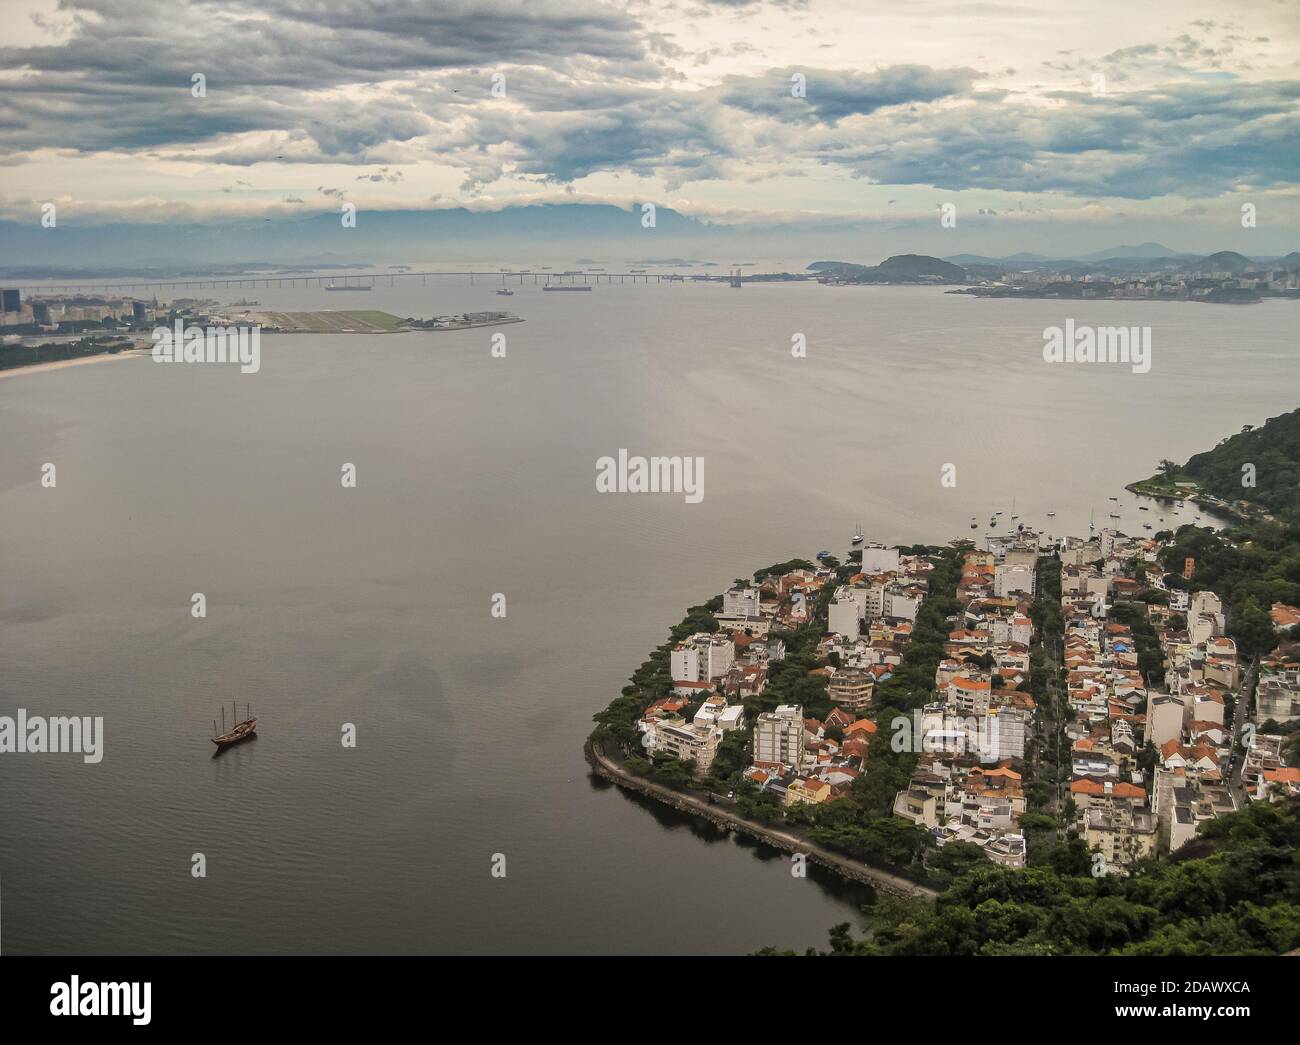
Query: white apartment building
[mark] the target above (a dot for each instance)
(1201, 628)
(690, 743)
(844, 614)
(1013, 578)
(1004, 730)
(740, 602)
(1165, 716)
(702, 658)
(876, 558)
(1206, 602)
(779, 736)
(902, 604)
(717, 713)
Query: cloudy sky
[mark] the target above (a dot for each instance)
(1143, 119)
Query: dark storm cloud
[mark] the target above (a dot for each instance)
(314, 44)
(1192, 139)
(376, 82)
(122, 79)
(831, 94)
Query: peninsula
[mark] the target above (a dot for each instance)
(950, 723)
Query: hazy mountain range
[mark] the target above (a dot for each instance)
(522, 236)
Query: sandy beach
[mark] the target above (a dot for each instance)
(61, 364)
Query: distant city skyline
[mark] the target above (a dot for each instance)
(1049, 127)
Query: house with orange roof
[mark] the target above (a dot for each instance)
(839, 718)
(1278, 784)
(667, 706)
(1087, 791)
(807, 791)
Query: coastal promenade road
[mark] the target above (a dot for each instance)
(849, 868)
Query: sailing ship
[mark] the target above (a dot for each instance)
(506, 292)
(241, 731)
(858, 537)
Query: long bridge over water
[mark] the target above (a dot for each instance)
(364, 279)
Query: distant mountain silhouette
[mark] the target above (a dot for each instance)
(1142, 250)
(1222, 261)
(901, 268)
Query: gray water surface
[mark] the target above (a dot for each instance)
(476, 475)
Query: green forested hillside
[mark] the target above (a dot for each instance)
(1238, 894)
(1274, 451)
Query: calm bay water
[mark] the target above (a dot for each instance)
(477, 475)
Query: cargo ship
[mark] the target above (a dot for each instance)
(346, 286)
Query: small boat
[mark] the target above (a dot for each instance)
(823, 553)
(1146, 526)
(1014, 516)
(973, 524)
(1114, 515)
(1143, 508)
(241, 731)
(858, 538)
(1051, 515)
(506, 292)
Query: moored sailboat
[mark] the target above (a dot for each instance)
(241, 730)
